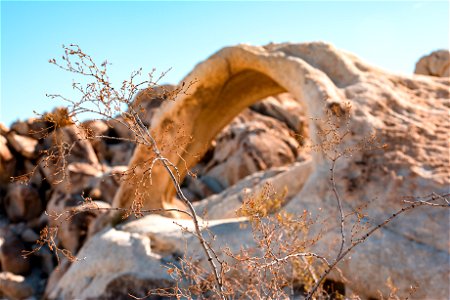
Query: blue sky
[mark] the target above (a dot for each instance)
(178, 35)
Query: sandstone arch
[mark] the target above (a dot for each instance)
(410, 115)
(228, 82)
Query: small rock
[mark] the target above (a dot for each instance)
(24, 145)
(251, 143)
(109, 183)
(22, 202)
(11, 255)
(120, 154)
(14, 286)
(82, 177)
(73, 232)
(435, 64)
(7, 162)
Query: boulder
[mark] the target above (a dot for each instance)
(120, 154)
(73, 228)
(22, 202)
(15, 287)
(11, 255)
(3, 129)
(284, 108)
(143, 249)
(109, 183)
(148, 101)
(83, 177)
(75, 231)
(436, 63)
(7, 162)
(36, 128)
(225, 204)
(93, 130)
(251, 143)
(115, 263)
(54, 166)
(24, 145)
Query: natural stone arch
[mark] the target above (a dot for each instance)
(410, 114)
(229, 81)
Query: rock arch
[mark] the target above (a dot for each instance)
(409, 115)
(229, 81)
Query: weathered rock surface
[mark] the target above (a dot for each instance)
(435, 64)
(143, 248)
(225, 204)
(117, 263)
(408, 114)
(284, 108)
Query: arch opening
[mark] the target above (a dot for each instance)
(269, 134)
(187, 129)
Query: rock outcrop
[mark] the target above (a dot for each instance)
(236, 143)
(435, 64)
(408, 114)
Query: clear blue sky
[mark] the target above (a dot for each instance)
(391, 35)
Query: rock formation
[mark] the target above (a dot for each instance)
(408, 114)
(236, 143)
(435, 64)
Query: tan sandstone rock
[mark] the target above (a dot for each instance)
(435, 64)
(117, 263)
(408, 114)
